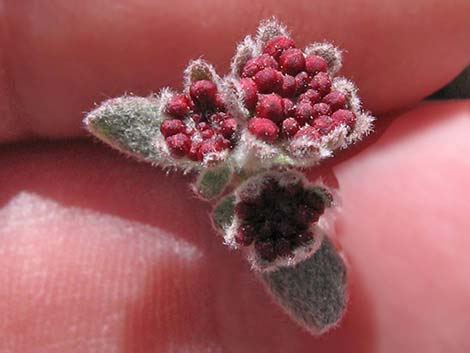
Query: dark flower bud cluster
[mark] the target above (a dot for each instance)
(275, 217)
(279, 219)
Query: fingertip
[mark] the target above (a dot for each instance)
(60, 61)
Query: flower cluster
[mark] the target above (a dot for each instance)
(199, 127)
(290, 94)
(296, 111)
(279, 106)
(280, 109)
(274, 218)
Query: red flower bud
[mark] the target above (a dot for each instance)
(321, 82)
(250, 92)
(321, 109)
(289, 107)
(344, 116)
(268, 80)
(172, 127)
(179, 144)
(311, 96)
(292, 61)
(258, 63)
(304, 111)
(207, 134)
(228, 128)
(203, 92)
(193, 152)
(309, 132)
(178, 106)
(290, 127)
(324, 124)
(288, 86)
(222, 144)
(335, 99)
(302, 80)
(315, 64)
(275, 46)
(264, 129)
(271, 107)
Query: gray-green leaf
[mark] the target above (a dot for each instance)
(212, 182)
(224, 212)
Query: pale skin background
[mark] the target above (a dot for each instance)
(99, 253)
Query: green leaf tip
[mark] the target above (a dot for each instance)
(127, 123)
(283, 159)
(224, 212)
(212, 182)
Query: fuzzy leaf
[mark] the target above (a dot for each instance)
(211, 182)
(268, 29)
(245, 51)
(200, 70)
(314, 292)
(224, 212)
(129, 124)
(329, 52)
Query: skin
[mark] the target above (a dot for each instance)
(99, 253)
